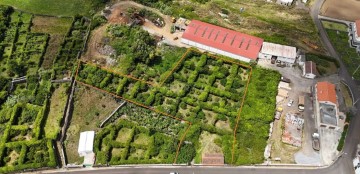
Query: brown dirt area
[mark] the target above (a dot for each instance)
(341, 9)
(90, 108)
(279, 149)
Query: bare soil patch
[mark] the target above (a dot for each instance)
(345, 9)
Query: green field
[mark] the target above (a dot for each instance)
(349, 56)
(54, 7)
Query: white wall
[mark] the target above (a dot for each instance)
(282, 59)
(310, 76)
(214, 50)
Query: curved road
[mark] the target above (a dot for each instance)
(342, 165)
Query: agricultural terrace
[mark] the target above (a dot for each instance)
(206, 91)
(140, 136)
(31, 110)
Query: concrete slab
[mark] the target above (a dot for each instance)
(303, 158)
(329, 140)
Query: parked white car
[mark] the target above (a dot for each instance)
(290, 102)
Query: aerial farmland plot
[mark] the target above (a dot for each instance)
(204, 90)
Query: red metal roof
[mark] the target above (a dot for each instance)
(223, 39)
(326, 92)
(357, 23)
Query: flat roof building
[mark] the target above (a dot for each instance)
(86, 143)
(283, 53)
(222, 41)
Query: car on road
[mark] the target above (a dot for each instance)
(290, 102)
(174, 173)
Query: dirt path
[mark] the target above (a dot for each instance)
(92, 50)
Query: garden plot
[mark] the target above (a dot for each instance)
(128, 143)
(57, 29)
(87, 115)
(71, 47)
(202, 98)
(22, 54)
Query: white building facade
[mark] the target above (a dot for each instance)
(354, 35)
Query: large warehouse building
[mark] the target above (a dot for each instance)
(222, 41)
(283, 53)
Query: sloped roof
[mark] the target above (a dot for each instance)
(357, 23)
(223, 39)
(326, 92)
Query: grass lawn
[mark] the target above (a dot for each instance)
(53, 7)
(90, 108)
(334, 26)
(124, 135)
(57, 28)
(346, 94)
(349, 55)
(142, 139)
(57, 107)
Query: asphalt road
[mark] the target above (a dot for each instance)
(342, 166)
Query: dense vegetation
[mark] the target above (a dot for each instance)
(349, 56)
(138, 54)
(203, 90)
(24, 105)
(127, 143)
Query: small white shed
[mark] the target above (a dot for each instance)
(309, 70)
(86, 143)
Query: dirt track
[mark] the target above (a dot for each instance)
(341, 9)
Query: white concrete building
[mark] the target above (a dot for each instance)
(86, 143)
(354, 34)
(286, 54)
(222, 41)
(309, 70)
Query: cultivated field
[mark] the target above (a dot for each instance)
(344, 9)
(204, 90)
(54, 7)
(57, 28)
